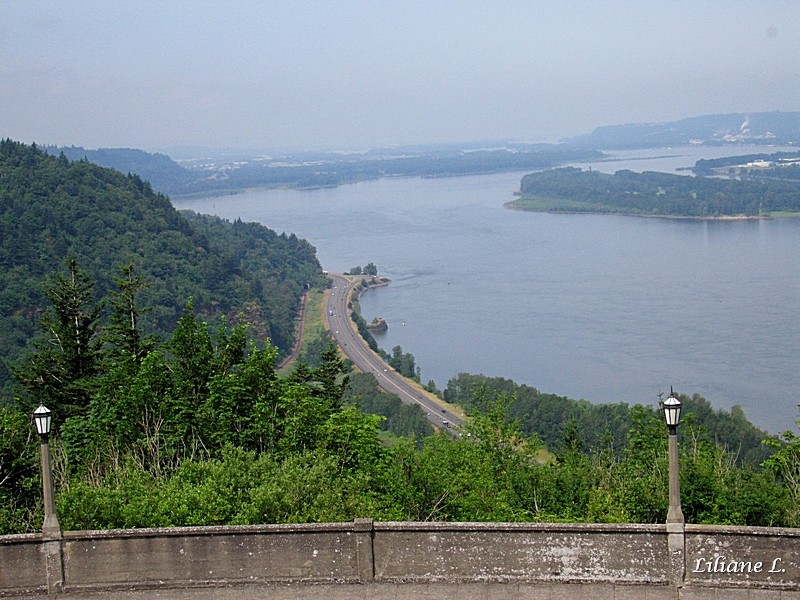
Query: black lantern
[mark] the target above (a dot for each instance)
(672, 410)
(43, 418)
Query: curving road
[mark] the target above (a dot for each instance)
(356, 349)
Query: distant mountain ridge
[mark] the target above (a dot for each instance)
(314, 169)
(772, 128)
(321, 169)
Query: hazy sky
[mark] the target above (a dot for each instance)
(354, 74)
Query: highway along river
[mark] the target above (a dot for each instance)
(367, 361)
(606, 308)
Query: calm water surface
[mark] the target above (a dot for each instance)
(606, 308)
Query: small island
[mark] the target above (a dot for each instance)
(378, 325)
(573, 190)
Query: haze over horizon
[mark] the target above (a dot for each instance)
(358, 74)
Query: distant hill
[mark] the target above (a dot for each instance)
(776, 128)
(51, 208)
(163, 173)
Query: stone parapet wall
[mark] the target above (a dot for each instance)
(629, 554)
(22, 564)
(211, 555)
(615, 561)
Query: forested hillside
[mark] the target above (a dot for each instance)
(199, 429)
(163, 173)
(52, 209)
(569, 189)
(550, 417)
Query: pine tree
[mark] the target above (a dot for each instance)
(124, 332)
(61, 369)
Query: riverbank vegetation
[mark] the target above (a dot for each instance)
(569, 189)
(199, 429)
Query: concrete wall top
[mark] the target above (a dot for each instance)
(518, 527)
(297, 528)
(21, 538)
(742, 530)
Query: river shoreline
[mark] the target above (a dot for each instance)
(789, 215)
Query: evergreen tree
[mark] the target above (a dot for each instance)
(192, 363)
(328, 381)
(331, 374)
(61, 369)
(124, 331)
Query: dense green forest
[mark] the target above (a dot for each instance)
(398, 418)
(569, 189)
(163, 173)
(51, 209)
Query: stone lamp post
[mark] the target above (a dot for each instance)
(675, 522)
(42, 417)
(672, 415)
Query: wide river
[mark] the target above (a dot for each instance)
(606, 308)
